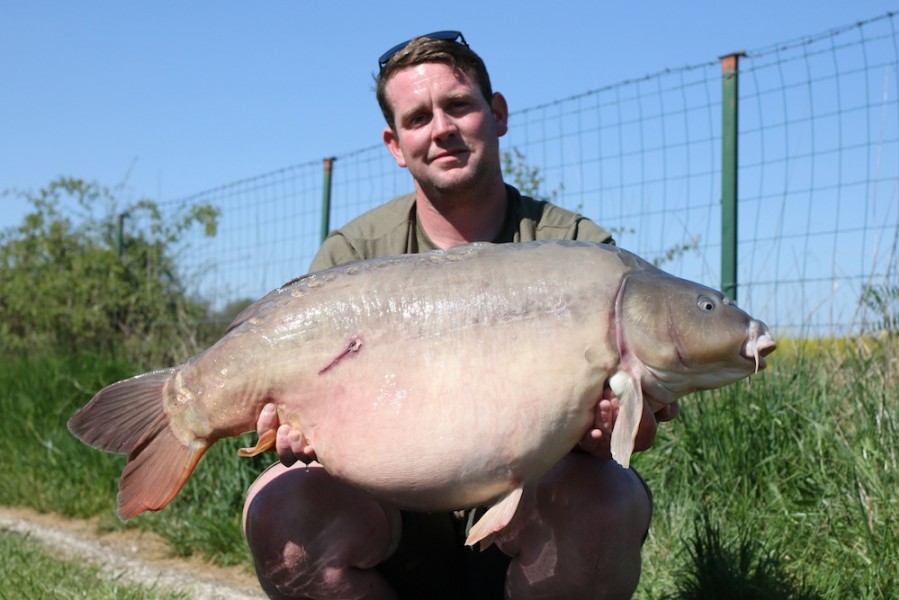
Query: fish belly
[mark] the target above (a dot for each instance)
(455, 419)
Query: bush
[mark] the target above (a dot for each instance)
(86, 273)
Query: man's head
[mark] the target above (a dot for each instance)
(446, 47)
(443, 120)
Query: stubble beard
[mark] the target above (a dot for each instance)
(452, 192)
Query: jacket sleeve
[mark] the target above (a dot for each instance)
(588, 231)
(335, 250)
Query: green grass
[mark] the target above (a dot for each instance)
(46, 468)
(739, 569)
(27, 571)
(803, 460)
(786, 484)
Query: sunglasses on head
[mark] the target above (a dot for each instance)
(451, 36)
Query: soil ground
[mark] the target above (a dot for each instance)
(131, 555)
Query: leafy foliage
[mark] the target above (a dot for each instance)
(525, 177)
(84, 272)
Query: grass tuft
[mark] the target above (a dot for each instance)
(742, 569)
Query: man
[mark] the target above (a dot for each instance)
(578, 531)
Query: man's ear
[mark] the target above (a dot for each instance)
(391, 140)
(500, 113)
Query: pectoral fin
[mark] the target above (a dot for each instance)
(494, 520)
(630, 411)
(265, 442)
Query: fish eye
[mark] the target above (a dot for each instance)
(705, 304)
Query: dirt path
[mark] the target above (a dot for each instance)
(133, 556)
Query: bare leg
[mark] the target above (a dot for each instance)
(578, 532)
(314, 537)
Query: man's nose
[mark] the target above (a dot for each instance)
(444, 125)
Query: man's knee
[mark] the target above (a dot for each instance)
(310, 534)
(579, 529)
(612, 500)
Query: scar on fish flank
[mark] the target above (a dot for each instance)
(353, 345)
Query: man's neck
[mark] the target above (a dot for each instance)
(464, 218)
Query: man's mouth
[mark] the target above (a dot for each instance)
(448, 154)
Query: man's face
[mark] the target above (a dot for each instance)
(447, 133)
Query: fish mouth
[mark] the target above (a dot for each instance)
(758, 345)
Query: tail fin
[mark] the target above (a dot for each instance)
(129, 417)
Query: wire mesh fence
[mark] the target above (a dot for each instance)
(818, 191)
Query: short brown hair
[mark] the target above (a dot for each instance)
(426, 50)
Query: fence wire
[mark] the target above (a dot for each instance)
(818, 182)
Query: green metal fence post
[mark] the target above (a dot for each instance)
(120, 234)
(729, 164)
(326, 197)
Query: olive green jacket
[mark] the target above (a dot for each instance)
(393, 228)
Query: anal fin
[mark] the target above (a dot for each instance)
(494, 520)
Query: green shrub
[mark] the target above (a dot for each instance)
(87, 272)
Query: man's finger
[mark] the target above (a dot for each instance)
(268, 418)
(283, 446)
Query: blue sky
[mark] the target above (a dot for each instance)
(179, 97)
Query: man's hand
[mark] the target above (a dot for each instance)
(598, 440)
(290, 444)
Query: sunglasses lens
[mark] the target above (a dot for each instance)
(448, 35)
